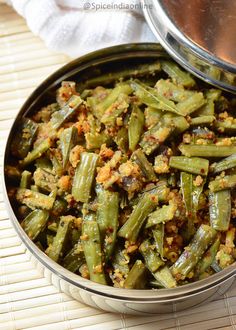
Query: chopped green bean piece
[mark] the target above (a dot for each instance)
(36, 152)
(172, 91)
(177, 75)
(191, 104)
(62, 115)
(165, 278)
(193, 252)
(211, 151)
(153, 138)
(84, 176)
(208, 258)
(92, 251)
(74, 258)
(193, 165)
(120, 260)
(107, 219)
(133, 225)
(147, 169)
(191, 194)
(158, 234)
(45, 180)
(202, 120)
(35, 222)
(135, 129)
(220, 209)
(100, 108)
(226, 126)
(224, 164)
(136, 276)
(137, 71)
(68, 139)
(56, 250)
(152, 260)
(222, 183)
(152, 116)
(34, 199)
(25, 181)
(23, 138)
(161, 215)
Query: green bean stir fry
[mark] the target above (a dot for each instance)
(129, 181)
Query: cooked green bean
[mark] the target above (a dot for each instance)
(193, 252)
(36, 153)
(222, 183)
(208, 151)
(158, 235)
(84, 176)
(122, 139)
(136, 123)
(45, 180)
(136, 276)
(151, 258)
(35, 222)
(174, 92)
(178, 76)
(208, 258)
(107, 218)
(220, 209)
(133, 225)
(153, 138)
(68, 139)
(161, 191)
(23, 138)
(165, 278)
(74, 259)
(225, 126)
(59, 207)
(150, 97)
(60, 116)
(100, 108)
(25, 181)
(161, 215)
(120, 261)
(191, 104)
(34, 199)
(202, 120)
(208, 109)
(56, 163)
(193, 165)
(139, 157)
(224, 164)
(56, 250)
(191, 194)
(92, 251)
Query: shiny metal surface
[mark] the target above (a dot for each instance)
(199, 34)
(143, 302)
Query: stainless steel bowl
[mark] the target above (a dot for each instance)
(199, 34)
(105, 297)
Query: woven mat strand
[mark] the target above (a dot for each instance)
(27, 299)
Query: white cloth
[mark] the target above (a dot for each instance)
(75, 27)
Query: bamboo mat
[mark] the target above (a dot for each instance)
(27, 299)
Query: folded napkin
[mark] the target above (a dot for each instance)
(75, 27)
